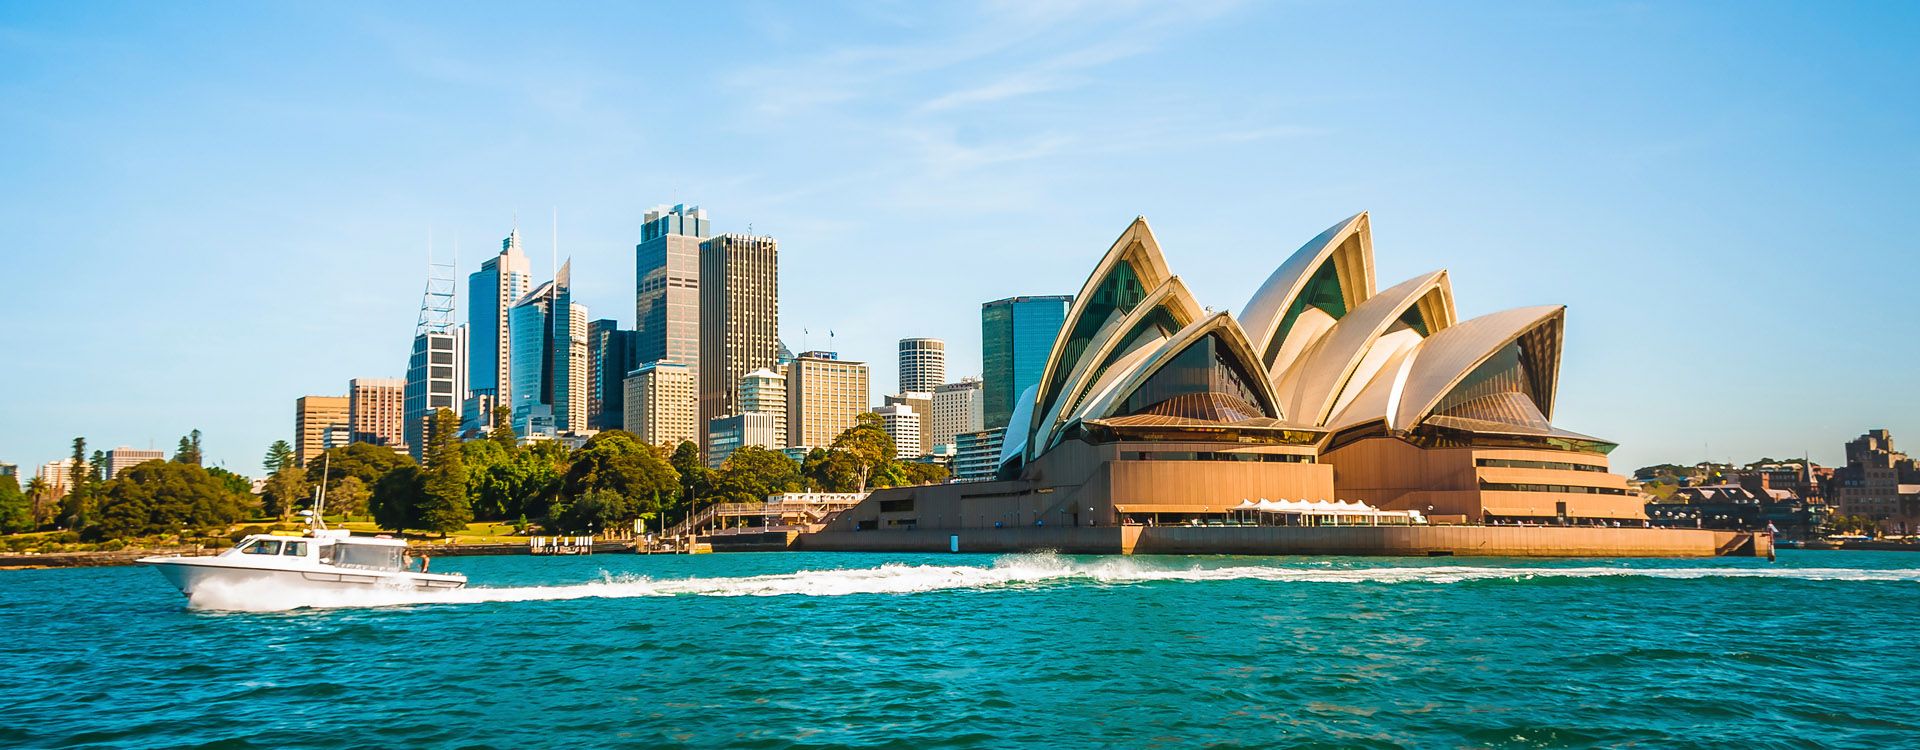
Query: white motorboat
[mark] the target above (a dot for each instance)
(321, 558)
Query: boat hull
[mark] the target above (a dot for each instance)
(191, 574)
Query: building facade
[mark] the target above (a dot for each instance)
(667, 285)
(660, 404)
(123, 458)
(957, 408)
(1016, 338)
(313, 417)
(825, 396)
(730, 433)
(1879, 482)
(491, 293)
(610, 356)
(764, 391)
(739, 317)
(549, 359)
(434, 382)
(923, 365)
(903, 425)
(922, 406)
(977, 454)
(377, 410)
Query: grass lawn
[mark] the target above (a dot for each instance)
(475, 533)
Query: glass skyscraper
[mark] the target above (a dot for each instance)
(492, 292)
(1016, 337)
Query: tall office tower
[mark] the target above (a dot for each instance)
(660, 404)
(1016, 338)
(764, 391)
(436, 374)
(667, 285)
(923, 365)
(491, 293)
(739, 317)
(731, 433)
(376, 409)
(569, 360)
(825, 396)
(903, 425)
(549, 357)
(313, 416)
(123, 458)
(609, 359)
(957, 408)
(922, 405)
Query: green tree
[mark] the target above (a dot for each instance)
(235, 482)
(396, 496)
(279, 456)
(285, 491)
(751, 473)
(616, 461)
(162, 497)
(594, 512)
(502, 433)
(74, 507)
(16, 515)
(98, 464)
(39, 499)
(348, 497)
(830, 470)
(364, 460)
(189, 451)
(444, 504)
(868, 445)
(696, 480)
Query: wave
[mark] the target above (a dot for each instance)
(1007, 572)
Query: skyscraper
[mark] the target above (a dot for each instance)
(733, 432)
(667, 285)
(825, 396)
(436, 370)
(376, 411)
(660, 404)
(764, 391)
(123, 458)
(903, 425)
(739, 317)
(313, 416)
(923, 365)
(1016, 338)
(549, 356)
(957, 408)
(610, 356)
(491, 293)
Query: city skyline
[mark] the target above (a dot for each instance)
(1715, 241)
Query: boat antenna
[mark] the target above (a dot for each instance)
(320, 505)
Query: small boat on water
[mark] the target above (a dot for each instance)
(320, 558)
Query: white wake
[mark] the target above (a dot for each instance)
(1007, 572)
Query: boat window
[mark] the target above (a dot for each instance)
(376, 556)
(296, 549)
(264, 547)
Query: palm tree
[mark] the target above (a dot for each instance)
(37, 492)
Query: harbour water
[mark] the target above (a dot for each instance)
(831, 650)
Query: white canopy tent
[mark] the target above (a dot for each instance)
(1339, 511)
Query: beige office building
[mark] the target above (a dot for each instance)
(825, 396)
(903, 425)
(660, 404)
(923, 365)
(376, 410)
(957, 408)
(922, 405)
(764, 391)
(739, 317)
(123, 458)
(313, 417)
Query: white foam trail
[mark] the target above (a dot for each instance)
(1011, 571)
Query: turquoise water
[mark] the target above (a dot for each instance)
(834, 650)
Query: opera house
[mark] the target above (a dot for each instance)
(1156, 413)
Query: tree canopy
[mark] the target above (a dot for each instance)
(615, 461)
(279, 456)
(160, 497)
(16, 515)
(867, 445)
(364, 460)
(751, 473)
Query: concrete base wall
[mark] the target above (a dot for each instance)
(1417, 541)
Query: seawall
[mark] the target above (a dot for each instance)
(1410, 541)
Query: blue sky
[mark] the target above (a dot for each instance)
(215, 208)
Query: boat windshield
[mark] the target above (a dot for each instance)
(263, 547)
(376, 556)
